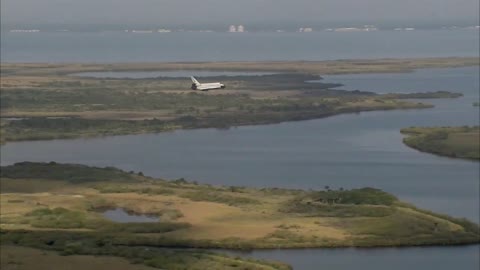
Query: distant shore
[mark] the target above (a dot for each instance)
(353, 66)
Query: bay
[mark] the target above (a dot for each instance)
(103, 47)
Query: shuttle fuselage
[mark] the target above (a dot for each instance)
(205, 86)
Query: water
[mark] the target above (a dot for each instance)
(349, 151)
(464, 80)
(352, 150)
(187, 46)
(170, 74)
(439, 258)
(122, 216)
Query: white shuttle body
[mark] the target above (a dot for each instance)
(205, 86)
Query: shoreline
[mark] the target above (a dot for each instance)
(450, 142)
(324, 67)
(282, 218)
(246, 246)
(247, 124)
(250, 101)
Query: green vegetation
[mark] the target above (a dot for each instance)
(25, 258)
(43, 102)
(49, 129)
(56, 218)
(57, 207)
(309, 67)
(215, 196)
(458, 142)
(476, 104)
(437, 94)
(77, 243)
(69, 172)
(202, 216)
(343, 203)
(61, 218)
(369, 196)
(41, 128)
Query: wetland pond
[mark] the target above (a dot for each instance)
(120, 215)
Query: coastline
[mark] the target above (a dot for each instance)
(440, 242)
(327, 67)
(250, 102)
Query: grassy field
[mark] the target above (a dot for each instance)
(42, 101)
(458, 142)
(60, 202)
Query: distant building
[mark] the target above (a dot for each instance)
(365, 28)
(347, 29)
(164, 30)
(305, 29)
(24, 31)
(142, 31)
(404, 29)
(240, 29)
(232, 29)
(370, 28)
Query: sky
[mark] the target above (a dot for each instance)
(188, 12)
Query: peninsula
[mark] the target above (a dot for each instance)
(59, 207)
(48, 101)
(456, 142)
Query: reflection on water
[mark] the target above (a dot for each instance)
(122, 216)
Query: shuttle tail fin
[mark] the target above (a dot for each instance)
(194, 80)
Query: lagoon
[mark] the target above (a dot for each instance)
(122, 216)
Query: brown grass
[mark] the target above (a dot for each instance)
(261, 219)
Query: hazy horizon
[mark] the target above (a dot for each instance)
(254, 13)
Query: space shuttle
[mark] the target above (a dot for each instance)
(205, 86)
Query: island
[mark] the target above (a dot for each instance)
(456, 142)
(425, 95)
(51, 101)
(60, 209)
